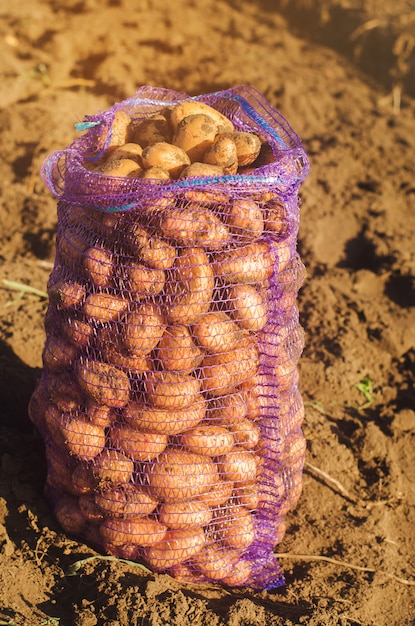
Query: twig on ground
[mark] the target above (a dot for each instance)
(327, 559)
(22, 289)
(332, 482)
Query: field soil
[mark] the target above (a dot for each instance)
(343, 74)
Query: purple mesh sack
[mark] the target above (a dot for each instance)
(169, 401)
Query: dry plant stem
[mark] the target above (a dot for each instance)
(327, 559)
(330, 480)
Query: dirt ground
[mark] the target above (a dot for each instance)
(343, 74)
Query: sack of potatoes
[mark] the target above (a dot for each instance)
(169, 402)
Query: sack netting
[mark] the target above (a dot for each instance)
(169, 403)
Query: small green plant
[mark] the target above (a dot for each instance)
(365, 386)
(22, 289)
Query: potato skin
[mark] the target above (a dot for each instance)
(99, 266)
(165, 421)
(136, 444)
(112, 466)
(195, 226)
(140, 531)
(221, 373)
(179, 475)
(235, 527)
(104, 383)
(125, 500)
(251, 263)
(215, 563)
(171, 390)
(104, 307)
(177, 350)
(216, 332)
(207, 439)
(143, 328)
(171, 158)
(177, 515)
(195, 134)
(176, 546)
(248, 307)
(194, 107)
(238, 465)
(245, 220)
(84, 439)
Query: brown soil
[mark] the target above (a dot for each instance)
(343, 74)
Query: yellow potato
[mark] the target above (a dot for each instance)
(177, 350)
(248, 146)
(195, 226)
(176, 546)
(245, 433)
(240, 575)
(63, 391)
(206, 439)
(238, 465)
(140, 531)
(59, 473)
(84, 439)
(132, 151)
(216, 332)
(251, 263)
(100, 414)
(145, 281)
(171, 390)
(177, 515)
(69, 515)
(152, 130)
(190, 288)
(165, 421)
(248, 307)
(228, 409)
(143, 329)
(99, 266)
(125, 500)
(276, 218)
(156, 173)
(195, 134)
(248, 495)
(136, 444)
(122, 167)
(204, 170)
(179, 475)
(245, 219)
(219, 495)
(78, 331)
(195, 107)
(158, 253)
(89, 509)
(119, 132)
(103, 383)
(162, 154)
(83, 479)
(112, 466)
(236, 527)
(70, 248)
(126, 360)
(222, 153)
(104, 307)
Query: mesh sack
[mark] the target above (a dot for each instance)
(169, 402)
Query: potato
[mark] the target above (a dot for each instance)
(190, 288)
(145, 281)
(58, 353)
(238, 465)
(222, 153)
(119, 132)
(207, 439)
(100, 414)
(78, 332)
(245, 219)
(162, 154)
(104, 307)
(221, 373)
(180, 475)
(236, 527)
(280, 534)
(219, 495)
(171, 390)
(285, 372)
(195, 226)
(240, 575)
(276, 218)
(177, 350)
(228, 409)
(70, 248)
(52, 421)
(84, 439)
(126, 360)
(248, 495)
(64, 391)
(247, 306)
(136, 444)
(103, 383)
(176, 546)
(156, 173)
(206, 197)
(195, 134)
(295, 446)
(143, 329)
(246, 434)
(59, 472)
(90, 510)
(65, 294)
(69, 516)
(112, 466)
(216, 332)
(152, 130)
(202, 170)
(122, 167)
(195, 107)
(165, 421)
(83, 480)
(158, 253)
(215, 562)
(125, 500)
(141, 531)
(251, 263)
(99, 266)
(177, 515)
(185, 573)
(131, 151)
(248, 146)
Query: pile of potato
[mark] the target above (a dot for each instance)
(168, 401)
